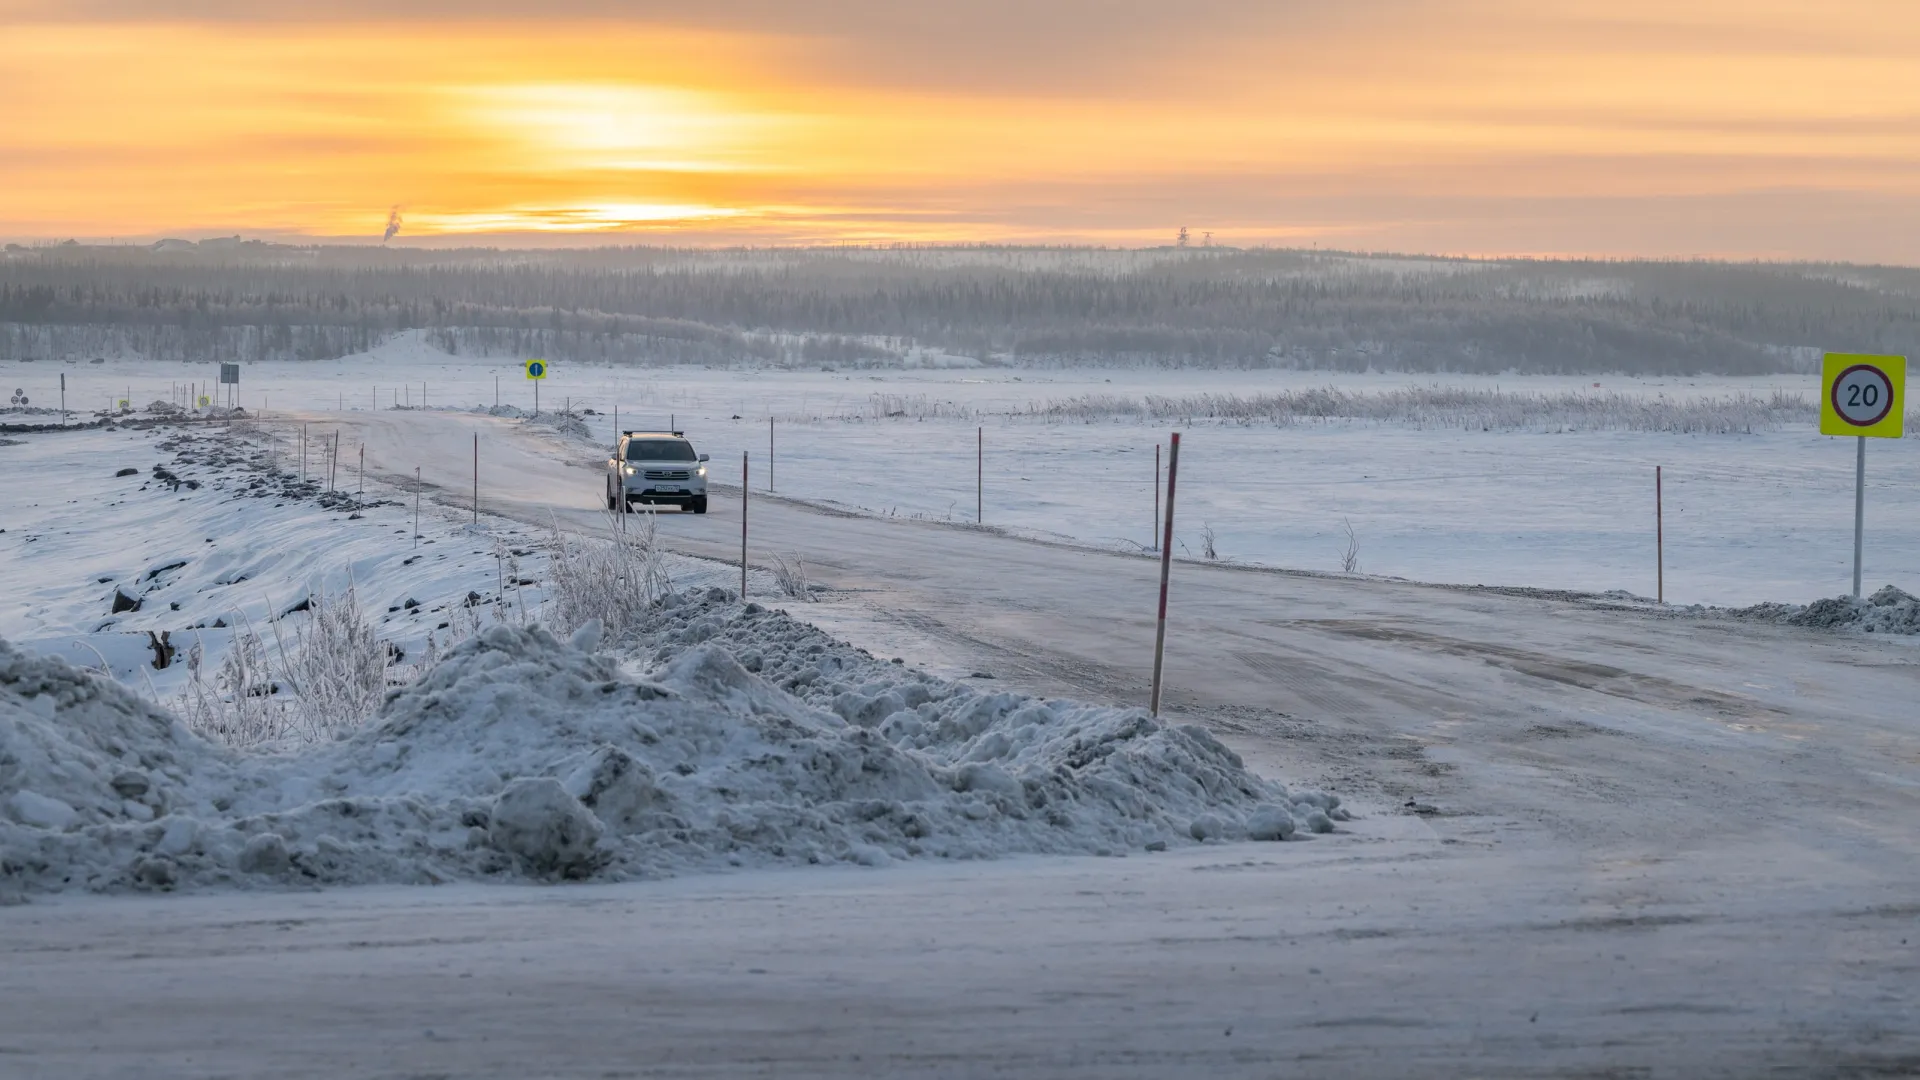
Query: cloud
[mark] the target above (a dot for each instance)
(1482, 125)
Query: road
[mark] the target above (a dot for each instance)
(1638, 845)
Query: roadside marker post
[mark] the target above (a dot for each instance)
(1156, 495)
(1863, 396)
(980, 476)
(363, 468)
(1659, 541)
(769, 451)
(303, 453)
(1166, 569)
(333, 461)
(536, 371)
(476, 478)
(743, 526)
(416, 506)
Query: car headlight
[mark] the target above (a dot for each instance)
(703, 470)
(628, 469)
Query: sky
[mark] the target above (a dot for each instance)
(1680, 128)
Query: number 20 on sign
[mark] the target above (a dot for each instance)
(1863, 395)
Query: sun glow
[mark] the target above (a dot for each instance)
(1496, 125)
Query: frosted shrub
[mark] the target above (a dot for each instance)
(1453, 407)
(237, 706)
(615, 580)
(791, 577)
(336, 667)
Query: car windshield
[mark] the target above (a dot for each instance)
(660, 450)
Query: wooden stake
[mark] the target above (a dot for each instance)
(980, 476)
(1166, 569)
(476, 478)
(1659, 541)
(1156, 495)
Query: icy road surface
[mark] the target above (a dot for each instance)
(1637, 845)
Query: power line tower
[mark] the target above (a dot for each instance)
(1182, 242)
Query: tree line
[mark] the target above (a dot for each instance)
(854, 307)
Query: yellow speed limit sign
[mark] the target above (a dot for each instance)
(1863, 395)
(536, 369)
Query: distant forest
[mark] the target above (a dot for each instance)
(885, 307)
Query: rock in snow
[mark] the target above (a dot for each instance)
(526, 756)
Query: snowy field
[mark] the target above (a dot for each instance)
(1749, 518)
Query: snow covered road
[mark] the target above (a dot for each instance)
(1409, 691)
(1639, 843)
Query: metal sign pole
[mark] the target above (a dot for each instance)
(1859, 509)
(743, 525)
(1166, 568)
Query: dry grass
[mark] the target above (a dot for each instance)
(615, 580)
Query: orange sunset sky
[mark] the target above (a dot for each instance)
(1756, 128)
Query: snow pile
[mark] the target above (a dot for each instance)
(1889, 611)
(562, 423)
(565, 423)
(753, 741)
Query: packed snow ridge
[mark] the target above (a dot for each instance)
(1889, 611)
(752, 739)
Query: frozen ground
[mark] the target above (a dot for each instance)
(1750, 518)
(214, 530)
(1593, 840)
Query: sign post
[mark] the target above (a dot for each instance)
(536, 371)
(1166, 567)
(1863, 396)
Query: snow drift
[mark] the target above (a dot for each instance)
(752, 740)
(1888, 611)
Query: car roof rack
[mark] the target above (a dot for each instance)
(675, 434)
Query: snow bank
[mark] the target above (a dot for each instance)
(565, 423)
(1889, 611)
(752, 739)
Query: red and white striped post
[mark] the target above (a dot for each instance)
(1166, 569)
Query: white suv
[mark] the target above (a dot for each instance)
(656, 467)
